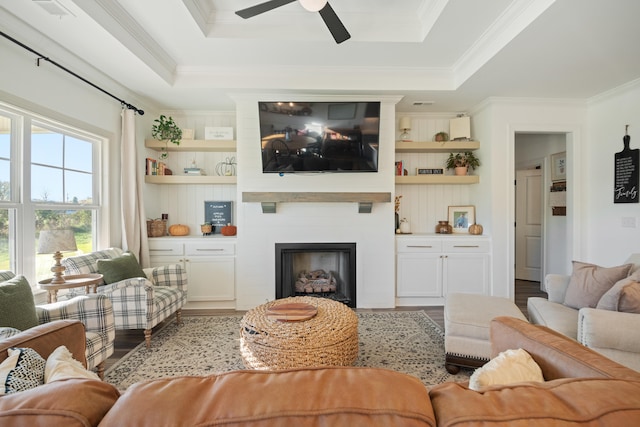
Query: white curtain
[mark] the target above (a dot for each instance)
(134, 226)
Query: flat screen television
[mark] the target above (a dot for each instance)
(319, 136)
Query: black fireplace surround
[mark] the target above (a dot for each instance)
(340, 277)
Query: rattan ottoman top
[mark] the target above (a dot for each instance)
(330, 338)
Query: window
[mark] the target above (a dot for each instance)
(51, 182)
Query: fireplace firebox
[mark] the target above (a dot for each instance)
(326, 270)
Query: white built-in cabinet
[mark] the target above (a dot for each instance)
(429, 266)
(210, 265)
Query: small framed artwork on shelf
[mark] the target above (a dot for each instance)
(461, 217)
(559, 166)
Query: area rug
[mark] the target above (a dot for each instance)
(404, 341)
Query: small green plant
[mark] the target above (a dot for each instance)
(165, 129)
(467, 159)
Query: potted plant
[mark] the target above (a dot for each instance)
(165, 129)
(461, 162)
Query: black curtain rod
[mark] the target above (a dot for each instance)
(41, 56)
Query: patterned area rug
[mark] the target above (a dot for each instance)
(404, 341)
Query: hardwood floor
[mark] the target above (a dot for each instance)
(127, 340)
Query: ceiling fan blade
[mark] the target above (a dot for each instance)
(338, 31)
(262, 8)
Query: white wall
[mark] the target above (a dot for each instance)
(496, 123)
(258, 232)
(605, 241)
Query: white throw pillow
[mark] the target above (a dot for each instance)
(61, 365)
(510, 366)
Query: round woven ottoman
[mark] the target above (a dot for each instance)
(330, 338)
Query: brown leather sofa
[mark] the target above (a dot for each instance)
(583, 388)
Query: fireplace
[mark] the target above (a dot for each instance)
(326, 270)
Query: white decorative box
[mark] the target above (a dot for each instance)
(218, 133)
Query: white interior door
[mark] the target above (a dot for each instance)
(529, 224)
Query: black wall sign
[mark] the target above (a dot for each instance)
(218, 214)
(626, 174)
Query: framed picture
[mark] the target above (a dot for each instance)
(461, 217)
(559, 166)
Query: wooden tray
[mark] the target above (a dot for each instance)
(292, 312)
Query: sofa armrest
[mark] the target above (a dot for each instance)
(556, 286)
(170, 275)
(557, 355)
(604, 329)
(94, 311)
(49, 336)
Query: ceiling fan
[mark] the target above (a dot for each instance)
(337, 29)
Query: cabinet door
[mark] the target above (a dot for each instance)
(211, 278)
(419, 275)
(466, 273)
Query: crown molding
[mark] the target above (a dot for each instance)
(115, 20)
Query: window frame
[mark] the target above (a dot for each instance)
(22, 208)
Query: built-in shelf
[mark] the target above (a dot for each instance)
(435, 147)
(437, 179)
(187, 179)
(192, 145)
(270, 199)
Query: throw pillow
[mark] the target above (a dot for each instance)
(630, 298)
(611, 299)
(17, 307)
(61, 365)
(22, 370)
(123, 267)
(510, 366)
(589, 282)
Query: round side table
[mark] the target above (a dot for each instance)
(88, 281)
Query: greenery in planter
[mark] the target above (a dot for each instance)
(165, 129)
(467, 159)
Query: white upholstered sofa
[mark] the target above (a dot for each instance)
(614, 334)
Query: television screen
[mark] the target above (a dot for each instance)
(319, 136)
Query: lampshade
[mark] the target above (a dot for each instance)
(52, 241)
(405, 123)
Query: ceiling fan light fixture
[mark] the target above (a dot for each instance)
(313, 5)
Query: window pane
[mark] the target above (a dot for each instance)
(78, 154)
(5, 158)
(46, 184)
(5, 251)
(79, 187)
(5, 182)
(80, 221)
(46, 147)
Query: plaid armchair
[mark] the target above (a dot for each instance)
(139, 303)
(96, 314)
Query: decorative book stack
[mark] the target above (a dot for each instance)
(194, 171)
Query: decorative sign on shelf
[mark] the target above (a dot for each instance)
(218, 214)
(218, 133)
(626, 173)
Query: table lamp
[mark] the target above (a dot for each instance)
(405, 127)
(54, 242)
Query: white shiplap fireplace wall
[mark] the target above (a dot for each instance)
(258, 232)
